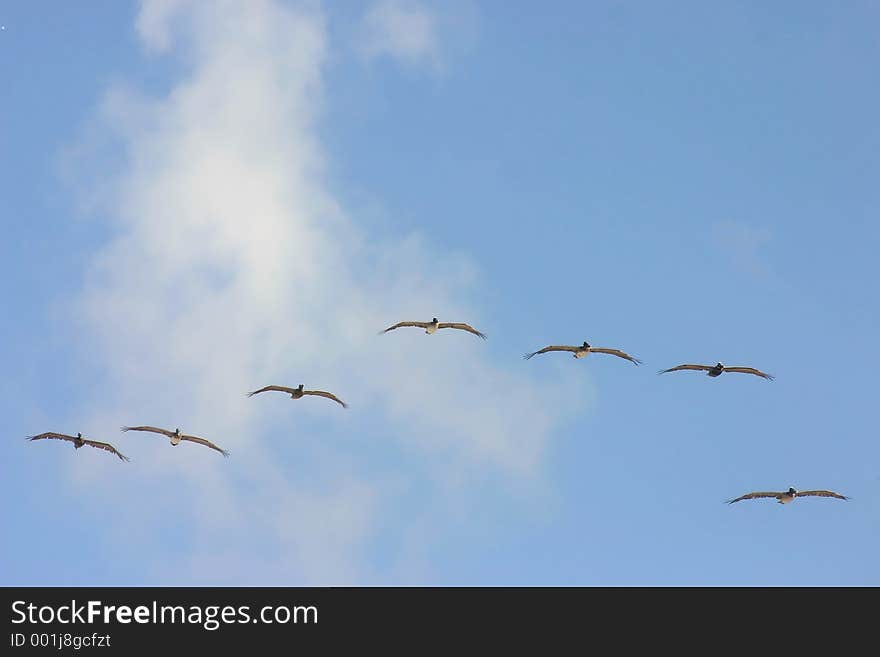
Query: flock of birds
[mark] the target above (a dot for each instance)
(578, 351)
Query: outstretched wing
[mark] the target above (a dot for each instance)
(753, 496)
(704, 368)
(108, 447)
(821, 493)
(164, 432)
(206, 443)
(402, 324)
(328, 395)
(463, 327)
(749, 370)
(277, 388)
(52, 434)
(616, 352)
(551, 348)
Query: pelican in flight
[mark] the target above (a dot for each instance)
(433, 325)
(789, 495)
(176, 437)
(297, 393)
(584, 350)
(78, 441)
(717, 369)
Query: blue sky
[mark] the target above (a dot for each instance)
(198, 201)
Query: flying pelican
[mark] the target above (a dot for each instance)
(297, 393)
(717, 369)
(78, 441)
(176, 437)
(583, 350)
(433, 325)
(789, 495)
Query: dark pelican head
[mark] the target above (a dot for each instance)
(434, 321)
(79, 440)
(177, 431)
(585, 345)
(792, 491)
(301, 385)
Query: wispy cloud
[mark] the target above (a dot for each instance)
(232, 266)
(402, 29)
(743, 244)
(154, 22)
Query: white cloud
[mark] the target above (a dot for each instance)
(153, 22)
(231, 266)
(403, 29)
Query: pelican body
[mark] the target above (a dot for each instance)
(788, 496)
(78, 441)
(299, 393)
(435, 324)
(584, 350)
(718, 369)
(175, 437)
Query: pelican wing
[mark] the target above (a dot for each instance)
(402, 324)
(206, 443)
(552, 348)
(52, 434)
(821, 493)
(616, 352)
(108, 447)
(752, 496)
(267, 388)
(164, 432)
(328, 395)
(704, 368)
(749, 370)
(463, 327)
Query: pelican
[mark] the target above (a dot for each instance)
(433, 325)
(717, 369)
(583, 350)
(789, 495)
(297, 393)
(78, 441)
(176, 437)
